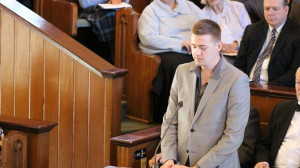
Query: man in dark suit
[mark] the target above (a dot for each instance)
(279, 146)
(270, 49)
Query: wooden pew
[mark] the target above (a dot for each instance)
(64, 13)
(143, 67)
(14, 150)
(24, 133)
(47, 75)
(263, 97)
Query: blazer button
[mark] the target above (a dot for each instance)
(192, 130)
(187, 151)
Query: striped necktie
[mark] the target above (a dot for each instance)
(262, 57)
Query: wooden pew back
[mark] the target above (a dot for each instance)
(47, 75)
(143, 67)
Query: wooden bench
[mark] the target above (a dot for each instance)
(22, 135)
(64, 13)
(263, 97)
(142, 67)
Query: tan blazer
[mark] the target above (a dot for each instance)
(211, 137)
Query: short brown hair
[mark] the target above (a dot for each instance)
(207, 26)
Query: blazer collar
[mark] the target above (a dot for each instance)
(218, 73)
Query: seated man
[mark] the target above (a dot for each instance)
(279, 146)
(270, 49)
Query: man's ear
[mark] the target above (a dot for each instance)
(219, 45)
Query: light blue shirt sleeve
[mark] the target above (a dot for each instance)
(89, 3)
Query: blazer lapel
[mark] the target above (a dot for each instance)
(192, 84)
(210, 89)
(261, 37)
(281, 39)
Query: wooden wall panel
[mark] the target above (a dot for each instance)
(7, 64)
(21, 70)
(81, 115)
(37, 72)
(96, 121)
(51, 54)
(43, 79)
(66, 91)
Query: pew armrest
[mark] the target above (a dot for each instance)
(64, 16)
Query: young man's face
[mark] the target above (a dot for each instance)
(205, 49)
(275, 13)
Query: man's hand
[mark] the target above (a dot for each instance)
(158, 160)
(186, 44)
(115, 2)
(168, 164)
(230, 48)
(262, 165)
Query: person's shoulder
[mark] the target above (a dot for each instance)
(188, 65)
(285, 104)
(235, 4)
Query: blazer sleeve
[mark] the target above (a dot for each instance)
(263, 149)
(241, 59)
(237, 117)
(169, 143)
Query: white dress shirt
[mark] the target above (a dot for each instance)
(289, 153)
(264, 78)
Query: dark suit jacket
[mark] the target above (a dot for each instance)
(285, 57)
(247, 149)
(269, 144)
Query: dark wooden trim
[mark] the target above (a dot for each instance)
(272, 91)
(33, 20)
(114, 73)
(25, 125)
(139, 137)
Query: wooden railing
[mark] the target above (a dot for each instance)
(263, 97)
(46, 75)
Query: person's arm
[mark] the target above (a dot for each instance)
(244, 20)
(148, 31)
(88, 3)
(169, 143)
(263, 148)
(237, 117)
(241, 60)
(288, 78)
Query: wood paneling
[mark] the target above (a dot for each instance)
(66, 90)
(47, 75)
(81, 115)
(7, 64)
(51, 55)
(21, 72)
(36, 78)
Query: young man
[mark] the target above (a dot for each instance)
(209, 127)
